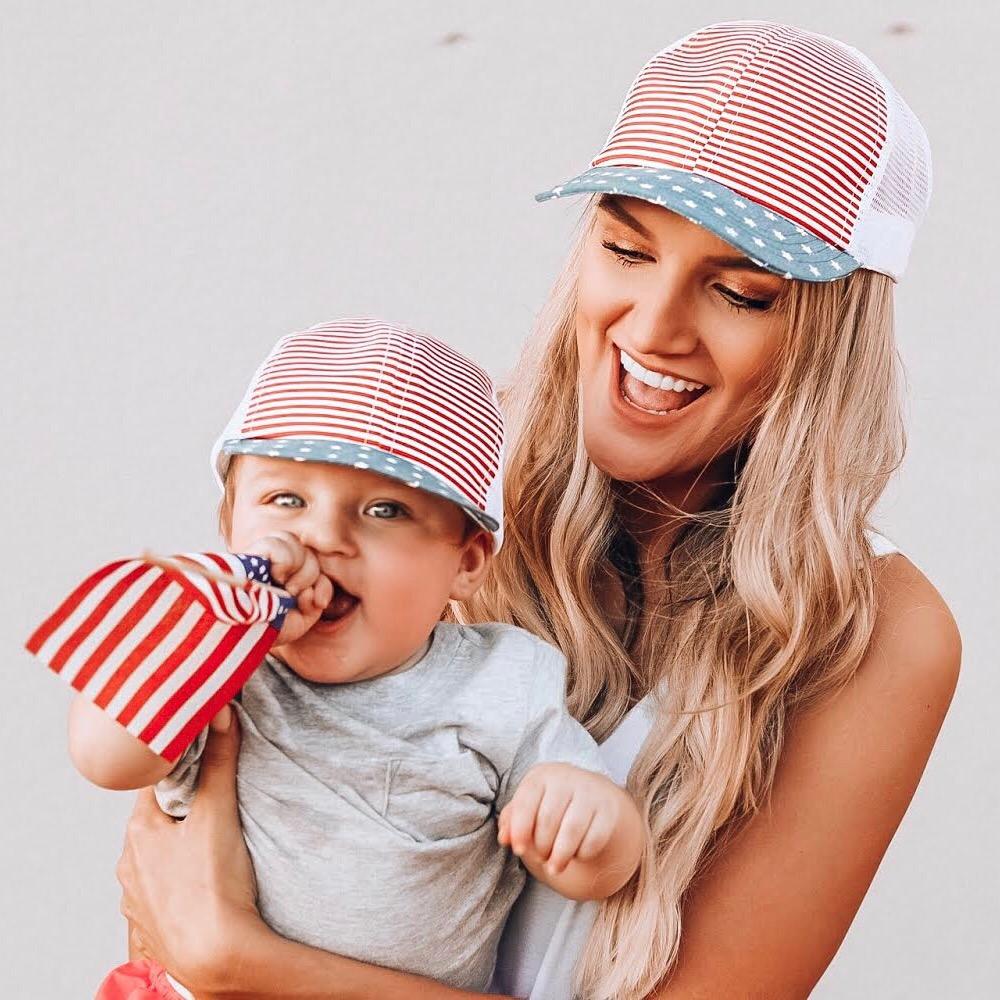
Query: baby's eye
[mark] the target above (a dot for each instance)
(287, 500)
(386, 510)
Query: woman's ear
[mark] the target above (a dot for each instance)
(474, 564)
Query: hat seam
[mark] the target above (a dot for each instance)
(774, 32)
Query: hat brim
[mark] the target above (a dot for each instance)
(357, 456)
(767, 238)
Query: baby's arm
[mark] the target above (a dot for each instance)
(106, 754)
(575, 830)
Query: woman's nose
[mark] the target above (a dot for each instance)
(664, 321)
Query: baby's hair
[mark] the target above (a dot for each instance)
(225, 516)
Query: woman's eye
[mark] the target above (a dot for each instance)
(626, 256)
(287, 500)
(386, 510)
(741, 303)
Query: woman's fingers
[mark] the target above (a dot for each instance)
(217, 774)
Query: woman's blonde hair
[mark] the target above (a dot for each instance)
(770, 592)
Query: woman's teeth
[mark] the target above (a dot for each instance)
(654, 380)
(654, 392)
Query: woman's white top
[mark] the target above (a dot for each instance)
(545, 933)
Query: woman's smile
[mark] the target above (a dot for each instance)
(659, 393)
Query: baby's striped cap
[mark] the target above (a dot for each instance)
(374, 395)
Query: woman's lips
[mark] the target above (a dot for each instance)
(651, 400)
(645, 407)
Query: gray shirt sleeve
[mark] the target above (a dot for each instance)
(551, 734)
(175, 792)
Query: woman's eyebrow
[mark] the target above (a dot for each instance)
(739, 264)
(613, 207)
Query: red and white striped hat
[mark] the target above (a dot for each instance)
(373, 395)
(791, 146)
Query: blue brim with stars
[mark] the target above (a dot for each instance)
(768, 239)
(357, 456)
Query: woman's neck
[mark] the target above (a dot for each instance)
(653, 513)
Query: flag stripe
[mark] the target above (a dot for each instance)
(48, 628)
(157, 650)
(86, 635)
(233, 679)
(167, 676)
(149, 671)
(163, 625)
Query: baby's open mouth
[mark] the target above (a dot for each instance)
(343, 603)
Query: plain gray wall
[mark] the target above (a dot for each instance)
(182, 183)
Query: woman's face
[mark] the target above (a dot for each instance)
(661, 298)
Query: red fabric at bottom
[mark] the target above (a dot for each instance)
(142, 980)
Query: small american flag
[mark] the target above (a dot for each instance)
(162, 644)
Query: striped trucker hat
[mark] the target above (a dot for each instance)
(791, 146)
(373, 395)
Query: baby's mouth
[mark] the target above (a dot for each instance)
(343, 603)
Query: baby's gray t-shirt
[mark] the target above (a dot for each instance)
(370, 808)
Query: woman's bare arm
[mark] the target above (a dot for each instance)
(768, 916)
(272, 967)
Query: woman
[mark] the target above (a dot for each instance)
(701, 427)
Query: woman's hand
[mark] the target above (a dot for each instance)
(188, 886)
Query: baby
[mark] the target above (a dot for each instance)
(388, 758)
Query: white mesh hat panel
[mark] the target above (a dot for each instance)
(899, 195)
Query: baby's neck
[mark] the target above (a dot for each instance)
(413, 659)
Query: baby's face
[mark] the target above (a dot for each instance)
(395, 555)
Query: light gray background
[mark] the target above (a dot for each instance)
(184, 182)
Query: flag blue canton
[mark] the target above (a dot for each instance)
(258, 569)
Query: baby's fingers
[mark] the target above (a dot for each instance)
(322, 593)
(284, 552)
(573, 829)
(305, 575)
(312, 601)
(551, 810)
(597, 837)
(521, 812)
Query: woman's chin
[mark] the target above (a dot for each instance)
(619, 460)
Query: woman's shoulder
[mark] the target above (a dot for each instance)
(915, 641)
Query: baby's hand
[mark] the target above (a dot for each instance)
(561, 813)
(295, 568)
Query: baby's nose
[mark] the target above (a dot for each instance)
(329, 535)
